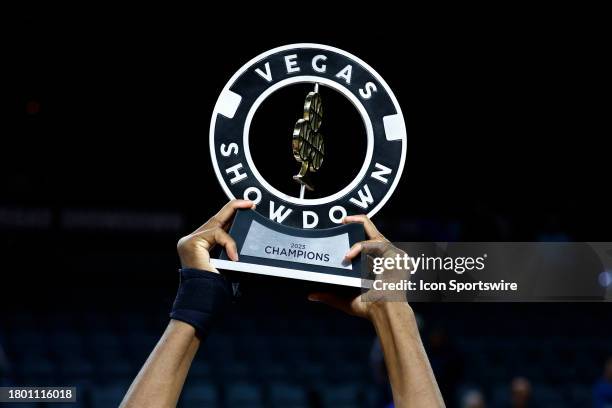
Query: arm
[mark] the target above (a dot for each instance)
(412, 380)
(161, 378)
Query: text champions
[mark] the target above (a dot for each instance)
(297, 253)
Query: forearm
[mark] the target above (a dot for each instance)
(412, 379)
(160, 380)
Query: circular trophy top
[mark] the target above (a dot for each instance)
(321, 66)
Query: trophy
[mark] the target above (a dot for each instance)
(293, 235)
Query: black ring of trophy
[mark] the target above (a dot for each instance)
(294, 236)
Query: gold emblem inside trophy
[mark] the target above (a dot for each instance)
(308, 144)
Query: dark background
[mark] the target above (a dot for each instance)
(104, 164)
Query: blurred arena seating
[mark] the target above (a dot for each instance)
(100, 306)
(264, 358)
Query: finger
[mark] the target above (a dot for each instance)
(219, 236)
(354, 251)
(331, 300)
(370, 229)
(370, 247)
(225, 240)
(226, 213)
(227, 224)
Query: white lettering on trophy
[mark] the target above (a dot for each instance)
(309, 224)
(265, 75)
(334, 210)
(237, 175)
(319, 68)
(378, 175)
(370, 87)
(226, 150)
(291, 63)
(278, 215)
(346, 73)
(249, 191)
(365, 198)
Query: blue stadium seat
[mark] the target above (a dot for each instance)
(140, 340)
(549, 397)
(287, 395)
(130, 322)
(35, 368)
(105, 340)
(113, 368)
(201, 369)
(581, 395)
(96, 322)
(309, 370)
(244, 394)
(219, 342)
(273, 370)
(232, 370)
(500, 395)
(340, 396)
(75, 367)
(66, 340)
(349, 371)
(107, 396)
(80, 403)
(201, 395)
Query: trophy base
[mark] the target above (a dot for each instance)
(289, 273)
(268, 248)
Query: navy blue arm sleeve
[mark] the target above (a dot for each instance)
(201, 299)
